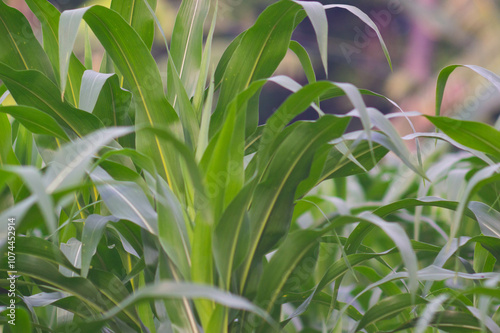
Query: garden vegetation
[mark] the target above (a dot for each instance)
(152, 199)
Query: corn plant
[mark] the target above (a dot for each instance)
(150, 199)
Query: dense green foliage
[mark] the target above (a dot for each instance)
(157, 203)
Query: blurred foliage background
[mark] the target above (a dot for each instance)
(423, 36)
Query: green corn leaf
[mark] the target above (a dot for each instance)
(304, 59)
(223, 158)
(172, 230)
(296, 104)
(70, 164)
(390, 289)
(180, 313)
(137, 15)
(203, 140)
(487, 217)
(225, 58)
(445, 73)
(88, 50)
(423, 201)
(92, 84)
(363, 229)
(5, 139)
(165, 290)
(121, 169)
(449, 321)
(333, 164)
(250, 60)
(102, 95)
(398, 236)
(143, 162)
(43, 249)
(92, 233)
(83, 289)
(387, 138)
(22, 321)
(202, 270)
(484, 261)
(177, 94)
(472, 134)
(20, 210)
(368, 21)
(479, 179)
(72, 249)
(486, 321)
(230, 242)
(20, 48)
(32, 88)
(274, 195)
(253, 59)
(430, 273)
(486, 291)
(398, 146)
(67, 34)
(205, 69)
(48, 16)
(125, 200)
(33, 180)
(187, 42)
(187, 156)
(323, 299)
(446, 138)
(335, 271)
(49, 275)
(24, 147)
(65, 326)
(429, 312)
(144, 310)
(36, 121)
(281, 265)
(390, 306)
(180, 101)
(132, 58)
(317, 14)
(114, 289)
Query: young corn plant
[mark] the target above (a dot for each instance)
(150, 201)
(454, 222)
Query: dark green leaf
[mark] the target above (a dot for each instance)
(472, 134)
(36, 121)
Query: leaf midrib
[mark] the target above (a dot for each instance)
(252, 72)
(67, 170)
(483, 140)
(56, 38)
(47, 104)
(140, 92)
(136, 211)
(62, 287)
(271, 205)
(188, 39)
(284, 279)
(14, 42)
(343, 164)
(29, 120)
